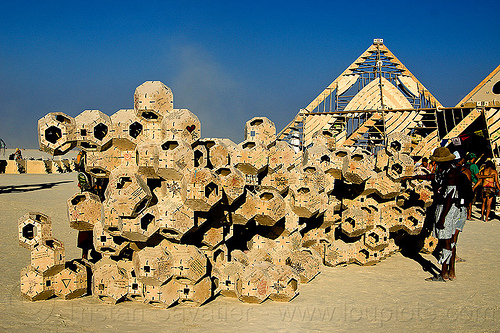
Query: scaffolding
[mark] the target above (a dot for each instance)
(366, 125)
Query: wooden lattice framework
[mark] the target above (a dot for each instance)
(366, 124)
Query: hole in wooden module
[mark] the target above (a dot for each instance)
(170, 145)
(496, 88)
(365, 253)
(413, 220)
(87, 145)
(123, 182)
(374, 237)
(146, 221)
(149, 115)
(397, 168)
(198, 158)
(100, 131)
(211, 189)
(62, 119)
(248, 145)
(396, 145)
(256, 122)
(341, 154)
(29, 231)
(266, 196)
(52, 134)
(169, 232)
(223, 171)
(135, 129)
(78, 199)
(293, 284)
(40, 218)
(325, 158)
(303, 190)
(357, 157)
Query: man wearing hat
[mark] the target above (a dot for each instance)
(447, 212)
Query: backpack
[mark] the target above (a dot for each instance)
(80, 161)
(464, 189)
(84, 181)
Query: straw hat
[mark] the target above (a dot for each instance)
(442, 154)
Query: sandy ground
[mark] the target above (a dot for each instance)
(37, 154)
(391, 296)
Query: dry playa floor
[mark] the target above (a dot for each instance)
(391, 296)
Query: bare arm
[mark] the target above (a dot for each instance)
(479, 183)
(429, 176)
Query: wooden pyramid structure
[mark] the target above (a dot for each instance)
(375, 96)
(478, 113)
(478, 110)
(483, 100)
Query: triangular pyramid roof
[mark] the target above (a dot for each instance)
(484, 100)
(487, 96)
(486, 91)
(328, 111)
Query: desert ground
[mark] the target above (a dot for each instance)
(391, 296)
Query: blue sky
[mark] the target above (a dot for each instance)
(226, 61)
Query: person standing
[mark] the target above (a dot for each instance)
(488, 178)
(85, 239)
(465, 198)
(447, 212)
(18, 155)
(471, 163)
(474, 170)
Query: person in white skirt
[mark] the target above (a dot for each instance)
(447, 211)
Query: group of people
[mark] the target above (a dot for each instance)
(456, 181)
(485, 184)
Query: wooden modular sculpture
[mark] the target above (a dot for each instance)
(182, 219)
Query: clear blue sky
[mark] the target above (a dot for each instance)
(226, 61)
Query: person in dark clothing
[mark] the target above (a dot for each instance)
(445, 180)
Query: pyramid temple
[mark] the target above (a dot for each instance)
(377, 95)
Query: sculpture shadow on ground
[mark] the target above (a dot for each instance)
(411, 245)
(30, 187)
